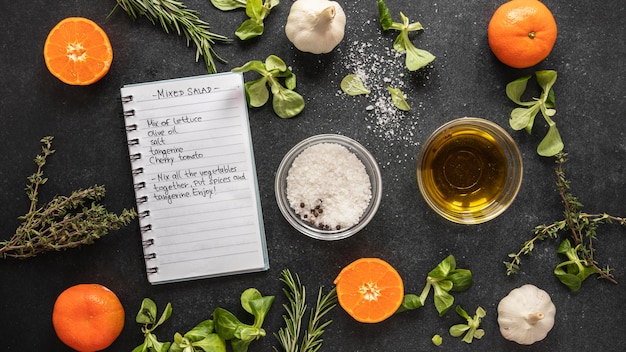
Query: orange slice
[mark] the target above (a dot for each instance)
(370, 290)
(77, 51)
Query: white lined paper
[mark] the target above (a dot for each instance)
(198, 177)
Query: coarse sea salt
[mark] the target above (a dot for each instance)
(379, 66)
(328, 186)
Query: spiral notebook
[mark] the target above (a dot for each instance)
(195, 178)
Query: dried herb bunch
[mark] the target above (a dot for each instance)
(64, 222)
(578, 248)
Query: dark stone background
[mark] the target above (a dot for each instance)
(464, 80)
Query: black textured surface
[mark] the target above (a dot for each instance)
(464, 80)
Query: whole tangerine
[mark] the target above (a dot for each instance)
(522, 33)
(88, 317)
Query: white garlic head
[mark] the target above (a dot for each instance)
(526, 315)
(315, 26)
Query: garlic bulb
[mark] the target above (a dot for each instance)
(315, 26)
(526, 315)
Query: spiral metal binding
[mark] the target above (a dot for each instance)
(131, 112)
(139, 185)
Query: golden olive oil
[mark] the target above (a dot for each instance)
(464, 171)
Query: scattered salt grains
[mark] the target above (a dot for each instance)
(328, 186)
(379, 66)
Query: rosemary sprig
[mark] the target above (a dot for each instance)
(582, 228)
(325, 303)
(296, 295)
(64, 222)
(174, 15)
(289, 336)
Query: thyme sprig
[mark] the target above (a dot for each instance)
(582, 228)
(289, 336)
(64, 222)
(174, 15)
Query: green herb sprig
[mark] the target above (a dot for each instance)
(286, 101)
(471, 330)
(64, 222)
(241, 335)
(209, 335)
(174, 15)
(443, 279)
(289, 336)
(257, 11)
(578, 248)
(524, 117)
(201, 338)
(415, 58)
(147, 317)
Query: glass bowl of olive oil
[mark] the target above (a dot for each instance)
(469, 170)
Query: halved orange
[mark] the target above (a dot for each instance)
(77, 51)
(370, 290)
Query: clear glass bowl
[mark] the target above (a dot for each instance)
(304, 227)
(469, 170)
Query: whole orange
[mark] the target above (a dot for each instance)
(88, 317)
(522, 33)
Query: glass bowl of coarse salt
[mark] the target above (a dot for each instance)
(328, 187)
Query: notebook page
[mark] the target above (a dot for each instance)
(195, 177)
